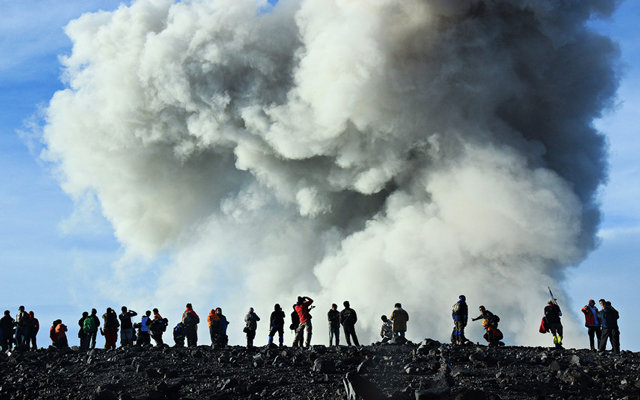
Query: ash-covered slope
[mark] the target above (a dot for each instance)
(409, 371)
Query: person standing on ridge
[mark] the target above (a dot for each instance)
(276, 323)
(223, 339)
(251, 325)
(82, 335)
(295, 322)
(190, 320)
(23, 325)
(592, 323)
(610, 328)
(552, 314)
(334, 324)
(110, 331)
(94, 330)
(213, 320)
(126, 326)
(348, 319)
(144, 335)
(386, 330)
(460, 314)
(35, 327)
(303, 306)
(6, 325)
(400, 318)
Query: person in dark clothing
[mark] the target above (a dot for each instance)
(303, 307)
(157, 327)
(7, 324)
(348, 319)
(333, 316)
(552, 314)
(110, 330)
(610, 328)
(23, 327)
(190, 320)
(126, 326)
(58, 335)
(223, 339)
(486, 314)
(251, 325)
(35, 327)
(592, 323)
(276, 324)
(82, 335)
(178, 335)
(460, 315)
(94, 331)
(295, 322)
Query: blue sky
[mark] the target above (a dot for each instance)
(54, 254)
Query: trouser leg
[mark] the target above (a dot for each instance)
(603, 339)
(309, 329)
(615, 340)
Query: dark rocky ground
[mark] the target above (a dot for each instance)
(429, 370)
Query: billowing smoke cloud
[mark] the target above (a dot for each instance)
(376, 151)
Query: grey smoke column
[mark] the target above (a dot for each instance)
(379, 151)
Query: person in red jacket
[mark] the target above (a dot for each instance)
(303, 306)
(592, 322)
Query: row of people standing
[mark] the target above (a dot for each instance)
(21, 331)
(602, 325)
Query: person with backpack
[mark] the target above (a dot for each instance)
(333, 316)
(460, 314)
(295, 322)
(92, 328)
(552, 314)
(35, 328)
(82, 335)
(276, 324)
(6, 325)
(400, 318)
(492, 335)
(157, 327)
(348, 319)
(592, 323)
(610, 328)
(126, 326)
(491, 318)
(23, 327)
(110, 331)
(191, 320)
(250, 327)
(386, 330)
(143, 334)
(178, 334)
(89, 330)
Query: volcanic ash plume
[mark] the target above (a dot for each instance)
(373, 151)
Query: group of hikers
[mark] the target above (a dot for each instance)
(601, 324)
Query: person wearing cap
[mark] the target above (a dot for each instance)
(592, 323)
(460, 314)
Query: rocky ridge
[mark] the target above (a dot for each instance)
(428, 370)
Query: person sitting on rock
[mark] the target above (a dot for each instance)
(6, 325)
(178, 334)
(491, 318)
(191, 320)
(492, 335)
(110, 330)
(58, 335)
(251, 325)
(400, 318)
(386, 331)
(460, 314)
(552, 314)
(348, 319)
(276, 324)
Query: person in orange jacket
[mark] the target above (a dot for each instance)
(58, 335)
(190, 320)
(213, 320)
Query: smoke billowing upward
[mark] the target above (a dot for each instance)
(376, 151)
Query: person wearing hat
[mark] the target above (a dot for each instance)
(460, 314)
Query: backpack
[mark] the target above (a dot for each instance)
(89, 325)
(189, 319)
(497, 334)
